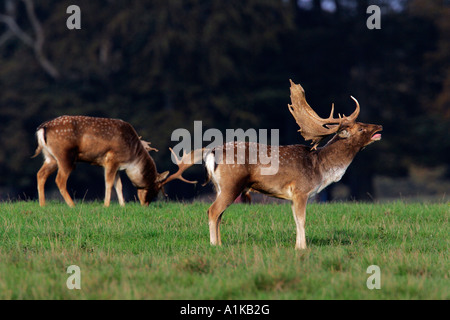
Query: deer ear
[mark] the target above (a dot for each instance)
(162, 176)
(344, 134)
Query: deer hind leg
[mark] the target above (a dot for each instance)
(46, 170)
(299, 211)
(64, 170)
(223, 201)
(110, 180)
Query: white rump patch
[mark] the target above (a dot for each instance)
(40, 137)
(48, 154)
(210, 161)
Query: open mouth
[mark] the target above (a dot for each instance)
(376, 137)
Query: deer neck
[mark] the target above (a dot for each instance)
(333, 160)
(142, 170)
(336, 154)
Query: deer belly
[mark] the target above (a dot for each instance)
(275, 190)
(93, 156)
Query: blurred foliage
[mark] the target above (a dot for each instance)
(160, 65)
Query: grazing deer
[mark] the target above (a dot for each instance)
(110, 143)
(302, 171)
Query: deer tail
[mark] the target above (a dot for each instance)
(40, 135)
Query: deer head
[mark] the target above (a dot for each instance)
(313, 127)
(183, 163)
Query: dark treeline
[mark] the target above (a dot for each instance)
(161, 65)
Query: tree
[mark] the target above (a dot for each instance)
(160, 65)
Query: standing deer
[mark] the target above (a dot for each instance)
(302, 171)
(110, 143)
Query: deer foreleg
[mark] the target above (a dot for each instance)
(110, 180)
(118, 187)
(299, 210)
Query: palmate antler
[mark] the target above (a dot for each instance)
(187, 161)
(313, 127)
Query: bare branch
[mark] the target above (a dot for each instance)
(14, 27)
(40, 39)
(37, 44)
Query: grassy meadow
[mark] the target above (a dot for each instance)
(163, 251)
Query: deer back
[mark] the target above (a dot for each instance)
(92, 139)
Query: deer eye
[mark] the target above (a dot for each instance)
(361, 129)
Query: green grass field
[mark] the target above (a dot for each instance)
(163, 251)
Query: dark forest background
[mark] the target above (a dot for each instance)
(160, 65)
